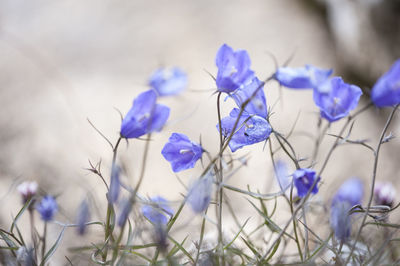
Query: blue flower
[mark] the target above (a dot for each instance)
(47, 208)
(258, 105)
(336, 99)
(126, 207)
(349, 194)
(115, 184)
(83, 217)
(307, 77)
(157, 210)
(199, 195)
(304, 179)
(181, 152)
(386, 91)
(250, 129)
(168, 81)
(282, 175)
(233, 69)
(145, 116)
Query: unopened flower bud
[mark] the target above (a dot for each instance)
(384, 194)
(27, 190)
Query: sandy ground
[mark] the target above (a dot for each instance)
(65, 61)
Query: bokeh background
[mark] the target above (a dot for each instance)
(63, 62)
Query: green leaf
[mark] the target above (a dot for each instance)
(237, 235)
(53, 248)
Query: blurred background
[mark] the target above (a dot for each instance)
(63, 62)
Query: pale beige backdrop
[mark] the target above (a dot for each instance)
(62, 62)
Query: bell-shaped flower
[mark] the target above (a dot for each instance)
(145, 116)
(181, 152)
(282, 175)
(349, 194)
(83, 217)
(168, 81)
(157, 210)
(125, 209)
(233, 69)
(258, 104)
(336, 99)
(249, 130)
(115, 184)
(199, 195)
(47, 207)
(384, 194)
(307, 77)
(305, 179)
(386, 91)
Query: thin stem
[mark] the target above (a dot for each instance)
(44, 240)
(374, 171)
(144, 161)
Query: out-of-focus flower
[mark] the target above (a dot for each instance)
(115, 184)
(47, 208)
(27, 190)
(199, 195)
(181, 152)
(168, 81)
(307, 77)
(384, 194)
(349, 194)
(145, 116)
(386, 91)
(82, 217)
(249, 130)
(304, 179)
(282, 175)
(157, 210)
(336, 99)
(258, 105)
(233, 69)
(126, 207)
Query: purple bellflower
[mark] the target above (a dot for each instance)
(157, 211)
(115, 184)
(181, 152)
(258, 105)
(83, 217)
(47, 208)
(282, 175)
(349, 194)
(233, 69)
(249, 130)
(126, 207)
(307, 77)
(145, 116)
(386, 91)
(199, 195)
(168, 81)
(336, 99)
(304, 179)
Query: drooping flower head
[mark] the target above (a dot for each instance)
(181, 152)
(199, 195)
(233, 69)
(47, 208)
(157, 211)
(145, 116)
(384, 194)
(83, 217)
(282, 175)
(386, 91)
(307, 77)
(304, 179)
(115, 184)
(336, 99)
(27, 190)
(168, 81)
(249, 130)
(126, 207)
(258, 104)
(349, 194)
